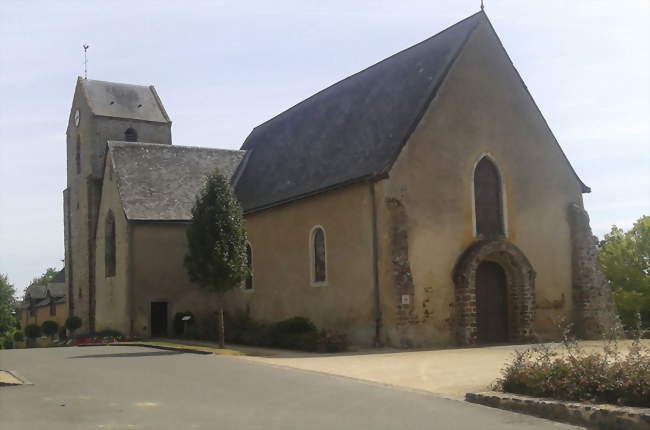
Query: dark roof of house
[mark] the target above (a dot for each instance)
(36, 291)
(56, 289)
(350, 131)
(160, 182)
(59, 277)
(118, 100)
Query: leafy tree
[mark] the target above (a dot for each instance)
(216, 258)
(7, 304)
(50, 328)
(72, 323)
(625, 259)
(32, 332)
(45, 278)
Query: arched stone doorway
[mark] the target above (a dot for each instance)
(506, 285)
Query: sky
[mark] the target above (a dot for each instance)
(223, 67)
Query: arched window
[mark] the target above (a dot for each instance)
(130, 135)
(318, 256)
(488, 207)
(109, 246)
(249, 261)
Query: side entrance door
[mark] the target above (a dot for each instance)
(158, 319)
(491, 303)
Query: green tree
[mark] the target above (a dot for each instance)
(32, 332)
(45, 278)
(7, 305)
(216, 258)
(72, 323)
(625, 259)
(50, 328)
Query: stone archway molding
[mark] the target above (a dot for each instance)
(520, 283)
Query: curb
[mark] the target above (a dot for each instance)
(21, 380)
(166, 348)
(593, 416)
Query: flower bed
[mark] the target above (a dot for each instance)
(573, 374)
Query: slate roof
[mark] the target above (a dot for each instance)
(160, 182)
(56, 289)
(117, 100)
(36, 291)
(59, 277)
(352, 130)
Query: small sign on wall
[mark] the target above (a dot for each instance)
(406, 299)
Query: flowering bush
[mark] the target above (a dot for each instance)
(576, 375)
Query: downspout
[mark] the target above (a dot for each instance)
(375, 264)
(129, 277)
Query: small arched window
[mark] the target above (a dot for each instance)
(109, 246)
(318, 256)
(249, 262)
(488, 207)
(130, 135)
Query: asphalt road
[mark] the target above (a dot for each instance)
(141, 388)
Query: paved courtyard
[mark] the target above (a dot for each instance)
(140, 388)
(446, 372)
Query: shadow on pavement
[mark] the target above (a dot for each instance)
(128, 354)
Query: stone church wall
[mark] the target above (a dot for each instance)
(594, 310)
(481, 108)
(280, 240)
(112, 292)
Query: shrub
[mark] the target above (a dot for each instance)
(332, 341)
(72, 323)
(7, 342)
(296, 332)
(18, 336)
(180, 327)
(50, 328)
(575, 375)
(63, 333)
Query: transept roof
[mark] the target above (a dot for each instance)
(160, 182)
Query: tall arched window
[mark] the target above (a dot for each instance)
(488, 208)
(318, 256)
(109, 246)
(249, 261)
(130, 135)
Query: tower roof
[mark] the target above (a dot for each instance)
(112, 99)
(350, 131)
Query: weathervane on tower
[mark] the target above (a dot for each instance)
(86, 60)
(482, 5)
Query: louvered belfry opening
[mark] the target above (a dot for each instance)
(130, 135)
(487, 200)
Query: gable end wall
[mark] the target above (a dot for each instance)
(482, 107)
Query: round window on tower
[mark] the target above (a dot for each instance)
(130, 135)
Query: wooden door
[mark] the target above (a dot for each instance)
(158, 319)
(491, 303)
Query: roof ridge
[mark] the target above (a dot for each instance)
(125, 144)
(113, 82)
(358, 73)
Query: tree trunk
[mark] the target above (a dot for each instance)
(222, 332)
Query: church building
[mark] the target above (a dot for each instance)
(422, 201)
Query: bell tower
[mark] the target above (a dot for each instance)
(101, 111)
